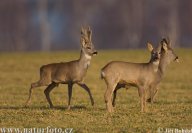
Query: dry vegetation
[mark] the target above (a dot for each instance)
(173, 108)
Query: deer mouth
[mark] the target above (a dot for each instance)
(156, 58)
(176, 59)
(95, 53)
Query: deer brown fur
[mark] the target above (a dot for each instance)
(148, 79)
(167, 56)
(70, 73)
(119, 74)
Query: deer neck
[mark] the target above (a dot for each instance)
(164, 62)
(155, 65)
(84, 60)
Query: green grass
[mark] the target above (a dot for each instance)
(173, 108)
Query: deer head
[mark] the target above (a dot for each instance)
(86, 42)
(155, 53)
(168, 51)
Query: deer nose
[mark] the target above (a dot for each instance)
(156, 57)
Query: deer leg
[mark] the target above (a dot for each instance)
(154, 94)
(33, 85)
(150, 94)
(153, 91)
(70, 86)
(142, 98)
(47, 92)
(114, 97)
(108, 98)
(84, 86)
(115, 93)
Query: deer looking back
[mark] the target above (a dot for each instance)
(67, 72)
(119, 74)
(167, 56)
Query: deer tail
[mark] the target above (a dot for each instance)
(102, 74)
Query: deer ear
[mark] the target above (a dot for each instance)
(82, 42)
(159, 47)
(82, 30)
(149, 46)
(89, 32)
(89, 29)
(164, 46)
(169, 42)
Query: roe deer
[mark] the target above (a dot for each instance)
(119, 74)
(167, 56)
(70, 73)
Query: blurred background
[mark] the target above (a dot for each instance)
(45, 25)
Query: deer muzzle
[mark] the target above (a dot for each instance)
(177, 59)
(95, 53)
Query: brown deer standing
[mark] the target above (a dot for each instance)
(118, 74)
(167, 56)
(70, 73)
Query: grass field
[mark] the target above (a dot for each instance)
(173, 107)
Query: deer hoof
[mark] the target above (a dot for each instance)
(27, 103)
(110, 110)
(143, 110)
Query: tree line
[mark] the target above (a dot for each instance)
(28, 25)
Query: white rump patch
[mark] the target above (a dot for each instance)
(102, 74)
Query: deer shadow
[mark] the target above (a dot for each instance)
(79, 107)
